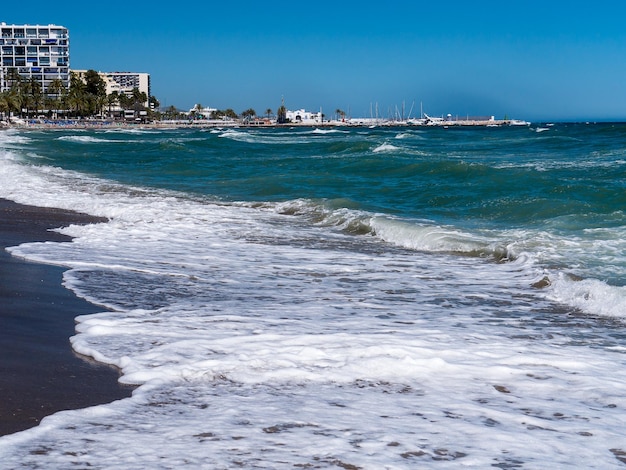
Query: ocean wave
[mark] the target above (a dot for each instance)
(84, 139)
(10, 138)
(131, 130)
(384, 148)
(328, 131)
(414, 235)
(590, 296)
(255, 138)
(404, 135)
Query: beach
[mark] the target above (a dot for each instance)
(320, 298)
(39, 372)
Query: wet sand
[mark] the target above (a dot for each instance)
(39, 372)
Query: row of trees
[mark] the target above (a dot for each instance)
(197, 113)
(85, 96)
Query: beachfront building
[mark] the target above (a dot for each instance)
(34, 52)
(202, 112)
(123, 82)
(304, 117)
(126, 82)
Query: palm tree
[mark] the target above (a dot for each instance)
(56, 90)
(32, 95)
(76, 98)
(101, 101)
(281, 114)
(9, 103)
(268, 112)
(171, 112)
(13, 78)
(4, 103)
(124, 101)
(112, 99)
(248, 113)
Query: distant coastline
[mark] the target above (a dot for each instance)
(261, 123)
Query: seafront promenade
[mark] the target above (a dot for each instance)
(203, 123)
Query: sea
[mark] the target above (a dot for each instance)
(341, 298)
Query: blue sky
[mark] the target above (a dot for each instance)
(535, 60)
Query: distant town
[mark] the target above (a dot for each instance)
(37, 87)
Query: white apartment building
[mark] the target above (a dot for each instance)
(34, 51)
(125, 82)
(122, 82)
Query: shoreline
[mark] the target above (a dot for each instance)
(210, 124)
(40, 374)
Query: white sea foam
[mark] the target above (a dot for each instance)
(83, 139)
(385, 148)
(261, 340)
(428, 237)
(589, 295)
(404, 135)
(328, 131)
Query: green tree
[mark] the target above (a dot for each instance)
(125, 101)
(138, 99)
(268, 112)
(56, 91)
(32, 98)
(281, 114)
(94, 83)
(5, 104)
(172, 113)
(113, 99)
(9, 103)
(76, 98)
(94, 93)
(248, 113)
(229, 113)
(13, 78)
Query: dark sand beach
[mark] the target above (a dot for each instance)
(39, 372)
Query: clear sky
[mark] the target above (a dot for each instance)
(534, 60)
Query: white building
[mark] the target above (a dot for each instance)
(126, 82)
(34, 51)
(303, 117)
(123, 82)
(205, 112)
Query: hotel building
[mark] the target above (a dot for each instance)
(34, 51)
(122, 82)
(125, 82)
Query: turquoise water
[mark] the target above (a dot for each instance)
(485, 176)
(410, 297)
(562, 180)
